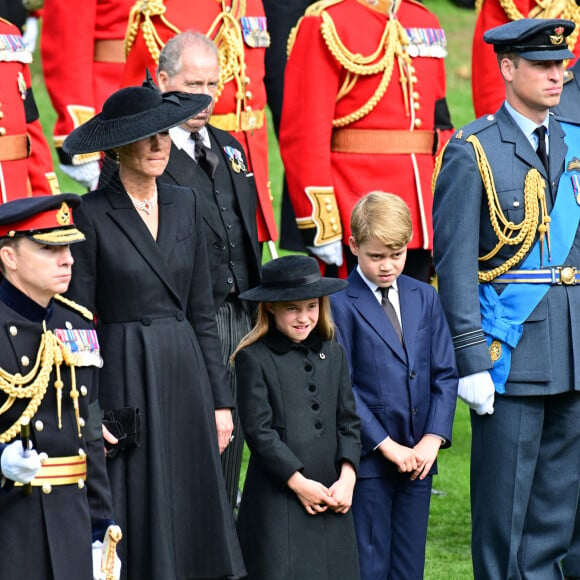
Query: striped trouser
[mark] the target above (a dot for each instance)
(233, 323)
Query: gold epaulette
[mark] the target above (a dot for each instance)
(315, 9)
(74, 306)
(568, 76)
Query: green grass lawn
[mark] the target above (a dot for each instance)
(448, 551)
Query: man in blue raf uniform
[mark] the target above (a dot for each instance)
(509, 289)
(55, 499)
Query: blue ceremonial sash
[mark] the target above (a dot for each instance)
(502, 316)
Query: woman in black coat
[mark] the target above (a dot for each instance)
(145, 274)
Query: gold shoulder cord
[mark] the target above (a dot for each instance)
(567, 9)
(74, 306)
(225, 31)
(51, 353)
(392, 45)
(508, 233)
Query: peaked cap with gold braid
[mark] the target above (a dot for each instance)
(46, 219)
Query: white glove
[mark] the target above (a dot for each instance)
(17, 466)
(86, 174)
(100, 559)
(478, 392)
(329, 253)
(30, 34)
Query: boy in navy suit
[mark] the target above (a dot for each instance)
(404, 378)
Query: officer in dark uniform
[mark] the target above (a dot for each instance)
(569, 108)
(55, 499)
(507, 253)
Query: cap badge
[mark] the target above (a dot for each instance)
(63, 216)
(558, 36)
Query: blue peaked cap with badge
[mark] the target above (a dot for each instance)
(533, 39)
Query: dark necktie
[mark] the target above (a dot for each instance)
(541, 150)
(390, 312)
(204, 156)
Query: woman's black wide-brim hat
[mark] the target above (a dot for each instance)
(292, 278)
(132, 114)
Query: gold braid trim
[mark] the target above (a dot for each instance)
(144, 10)
(507, 232)
(392, 45)
(567, 9)
(225, 31)
(74, 306)
(437, 168)
(51, 353)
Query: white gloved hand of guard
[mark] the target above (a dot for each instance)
(30, 34)
(478, 392)
(86, 174)
(18, 467)
(329, 253)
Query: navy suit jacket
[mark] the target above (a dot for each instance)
(402, 393)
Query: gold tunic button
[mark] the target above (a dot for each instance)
(334, 228)
(416, 105)
(24, 361)
(42, 456)
(82, 452)
(2, 131)
(248, 95)
(38, 425)
(46, 488)
(84, 390)
(418, 123)
(68, 325)
(13, 331)
(415, 95)
(81, 483)
(81, 422)
(1, 115)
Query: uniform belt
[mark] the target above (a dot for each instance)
(382, 141)
(249, 120)
(558, 275)
(61, 471)
(13, 147)
(109, 51)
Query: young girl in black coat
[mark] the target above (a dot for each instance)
(298, 415)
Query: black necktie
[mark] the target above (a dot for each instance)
(204, 156)
(390, 312)
(541, 150)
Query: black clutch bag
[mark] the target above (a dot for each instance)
(125, 424)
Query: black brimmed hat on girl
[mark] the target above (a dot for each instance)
(292, 278)
(132, 114)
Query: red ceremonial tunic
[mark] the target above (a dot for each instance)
(391, 147)
(238, 110)
(486, 82)
(82, 59)
(25, 159)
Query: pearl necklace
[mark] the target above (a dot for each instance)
(147, 205)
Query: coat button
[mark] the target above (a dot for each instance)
(318, 425)
(315, 406)
(230, 280)
(13, 331)
(146, 321)
(307, 367)
(24, 361)
(38, 425)
(68, 325)
(42, 456)
(84, 391)
(46, 488)
(413, 411)
(180, 316)
(412, 374)
(81, 483)
(312, 388)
